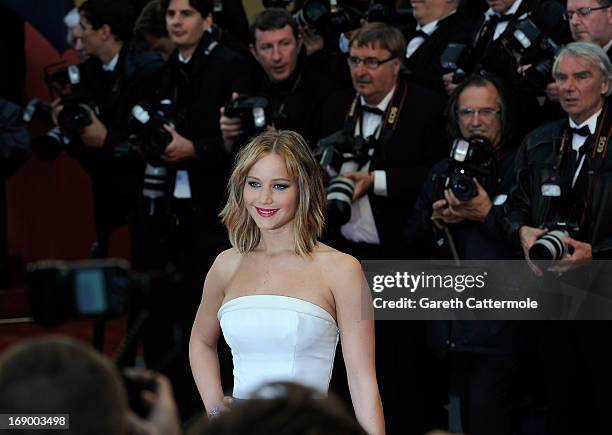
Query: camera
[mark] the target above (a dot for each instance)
(338, 154)
(550, 248)
(314, 14)
(146, 130)
(454, 59)
(530, 47)
(470, 158)
(251, 110)
(60, 290)
(64, 81)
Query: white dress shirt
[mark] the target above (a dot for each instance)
(578, 140)
(362, 227)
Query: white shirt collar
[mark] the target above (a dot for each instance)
(183, 59)
(607, 46)
(112, 64)
(591, 122)
(384, 103)
(429, 28)
(489, 13)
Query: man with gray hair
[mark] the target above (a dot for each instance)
(563, 176)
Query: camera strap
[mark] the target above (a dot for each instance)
(598, 155)
(596, 160)
(391, 116)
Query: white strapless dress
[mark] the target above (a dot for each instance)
(278, 338)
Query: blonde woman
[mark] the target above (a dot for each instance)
(281, 298)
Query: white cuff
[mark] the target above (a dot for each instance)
(380, 183)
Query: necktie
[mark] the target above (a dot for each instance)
(374, 110)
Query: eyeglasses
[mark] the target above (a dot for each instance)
(368, 62)
(582, 12)
(484, 113)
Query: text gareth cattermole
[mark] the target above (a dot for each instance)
(413, 282)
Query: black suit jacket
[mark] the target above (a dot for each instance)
(424, 65)
(492, 56)
(413, 147)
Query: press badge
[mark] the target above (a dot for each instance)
(500, 199)
(181, 186)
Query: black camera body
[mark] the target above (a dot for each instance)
(252, 110)
(531, 47)
(64, 82)
(454, 59)
(146, 130)
(60, 290)
(337, 154)
(470, 158)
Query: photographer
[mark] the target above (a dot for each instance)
(59, 375)
(182, 231)
(294, 90)
(392, 129)
(589, 21)
(562, 175)
(113, 78)
(438, 23)
(494, 49)
(457, 218)
(14, 150)
(396, 125)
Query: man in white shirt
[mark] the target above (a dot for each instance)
(573, 154)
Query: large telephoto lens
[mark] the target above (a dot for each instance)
(549, 247)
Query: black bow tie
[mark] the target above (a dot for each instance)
(582, 131)
(496, 19)
(420, 33)
(374, 110)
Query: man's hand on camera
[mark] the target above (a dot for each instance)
(231, 128)
(552, 92)
(476, 209)
(441, 212)
(163, 419)
(583, 252)
(94, 134)
(179, 149)
(312, 40)
(56, 108)
(528, 236)
(364, 181)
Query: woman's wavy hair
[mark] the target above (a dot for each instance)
(302, 167)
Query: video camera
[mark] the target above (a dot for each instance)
(338, 154)
(471, 158)
(531, 47)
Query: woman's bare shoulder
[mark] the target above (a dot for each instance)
(225, 265)
(336, 265)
